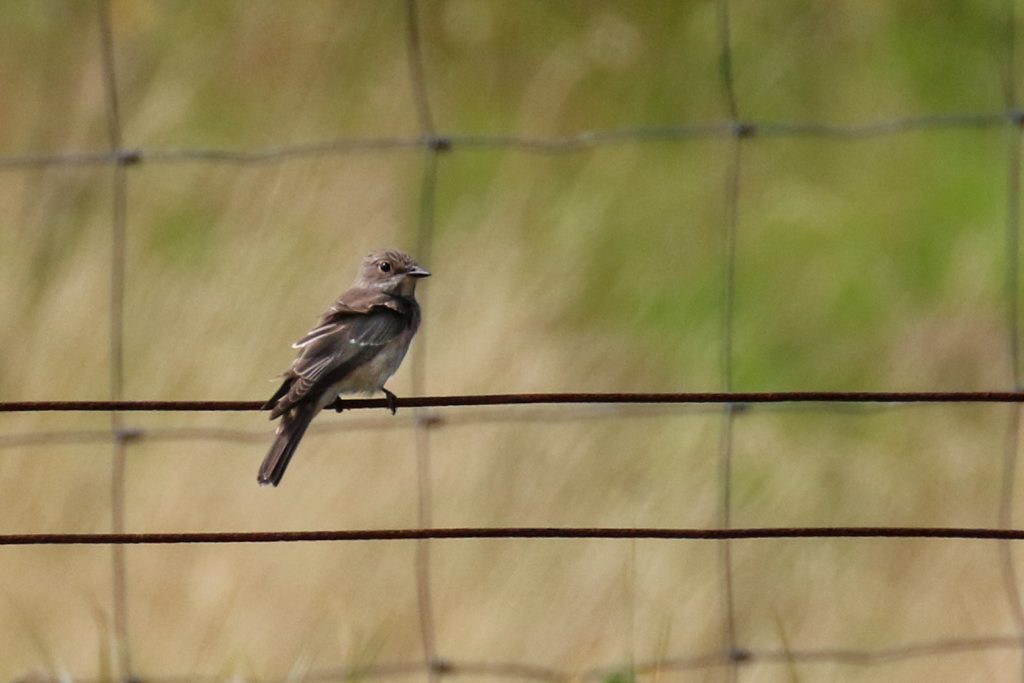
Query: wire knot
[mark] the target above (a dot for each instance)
(128, 434)
(129, 157)
(739, 655)
(738, 408)
(428, 420)
(744, 130)
(439, 665)
(439, 143)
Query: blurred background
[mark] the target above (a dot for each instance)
(862, 262)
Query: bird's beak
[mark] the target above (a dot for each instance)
(417, 271)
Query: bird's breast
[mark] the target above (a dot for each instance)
(371, 375)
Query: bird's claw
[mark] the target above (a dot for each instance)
(337, 404)
(392, 400)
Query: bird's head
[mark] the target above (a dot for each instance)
(391, 271)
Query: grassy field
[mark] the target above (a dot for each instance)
(875, 263)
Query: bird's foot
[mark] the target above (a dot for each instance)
(337, 404)
(392, 400)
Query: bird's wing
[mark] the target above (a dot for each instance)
(351, 332)
(364, 305)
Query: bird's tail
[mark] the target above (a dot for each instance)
(293, 426)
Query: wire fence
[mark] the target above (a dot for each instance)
(570, 406)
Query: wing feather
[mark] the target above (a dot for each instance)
(360, 304)
(347, 335)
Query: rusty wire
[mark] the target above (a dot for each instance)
(420, 533)
(736, 398)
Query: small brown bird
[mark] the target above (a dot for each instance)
(357, 345)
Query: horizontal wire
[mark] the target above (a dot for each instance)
(348, 425)
(842, 656)
(525, 143)
(547, 415)
(649, 533)
(887, 655)
(741, 397)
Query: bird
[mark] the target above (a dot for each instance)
(356, 346)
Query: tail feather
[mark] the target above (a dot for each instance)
(293, 426)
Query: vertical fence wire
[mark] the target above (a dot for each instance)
(725, 449)
(418, 82)
(1012, 285)
(424, 240)
(116, 337)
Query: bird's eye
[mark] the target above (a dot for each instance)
(384, 266)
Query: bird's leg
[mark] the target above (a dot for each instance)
(392, 401)
(337, 404)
